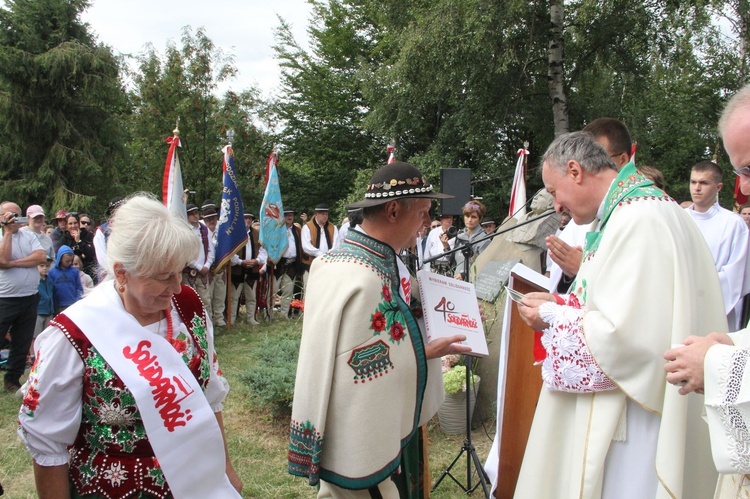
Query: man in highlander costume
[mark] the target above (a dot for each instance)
(365, 376)
(607, 424)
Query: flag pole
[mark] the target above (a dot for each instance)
(227, 272)
(525, 161)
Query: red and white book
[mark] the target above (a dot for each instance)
(450, 307)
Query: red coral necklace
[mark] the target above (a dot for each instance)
(170, 327)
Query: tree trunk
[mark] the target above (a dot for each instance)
(555, 68)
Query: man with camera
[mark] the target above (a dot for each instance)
(20, 253)
(441, 239)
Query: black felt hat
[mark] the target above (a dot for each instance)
(397, 180)
(190, 207)
(322, 207)
(113, 205)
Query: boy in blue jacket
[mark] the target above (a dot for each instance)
(65, 280)
(46, 308)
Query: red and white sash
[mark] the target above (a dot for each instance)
(180, 424)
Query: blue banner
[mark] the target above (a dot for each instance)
(231, 234)
(272, 227)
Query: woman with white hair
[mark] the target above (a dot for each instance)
(125, 397)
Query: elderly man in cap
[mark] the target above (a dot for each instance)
(195, 273)
(35, 214)
(363, 367)
(20, 253)
(217, 286)
(290, 265)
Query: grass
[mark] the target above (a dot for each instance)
(257, 439)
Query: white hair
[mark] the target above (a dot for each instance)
(147, 239)
(739, 100)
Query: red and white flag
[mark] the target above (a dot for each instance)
(171, 190)
(391, 149)
(518, 193)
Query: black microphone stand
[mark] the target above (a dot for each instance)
(468, 446)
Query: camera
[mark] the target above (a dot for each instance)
(21, 220)
(452, 231)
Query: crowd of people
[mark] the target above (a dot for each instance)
(645, 306)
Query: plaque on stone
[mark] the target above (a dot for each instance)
(493, 277)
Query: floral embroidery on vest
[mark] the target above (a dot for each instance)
(112, 456)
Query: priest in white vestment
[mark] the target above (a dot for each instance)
(726, 235)
(607, 424)
(718, 364)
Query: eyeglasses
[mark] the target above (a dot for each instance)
(743, 172)
(433, 226)
(471, 206)
(85, 222)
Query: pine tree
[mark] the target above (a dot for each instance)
(60, 95)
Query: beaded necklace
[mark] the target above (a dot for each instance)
(170, 327)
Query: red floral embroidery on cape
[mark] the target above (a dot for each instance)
(397, 331)
(378, 322)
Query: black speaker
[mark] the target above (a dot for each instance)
(456, 182)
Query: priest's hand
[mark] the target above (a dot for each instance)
(566, 256)
(529, 309)
(685, 363)
(446, 346)
(722, 338)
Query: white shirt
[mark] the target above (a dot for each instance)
(573, 235)
(45, 241)
(262, 254)
(342, 233)
(204, 260)
(435, 246)
(18, 282)
(727, 237)
(100, 246)
(291, 248)
(49, 433)
(307, 245)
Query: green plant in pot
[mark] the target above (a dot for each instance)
(454, 374)
(454, 379)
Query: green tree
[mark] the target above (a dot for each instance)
(60, 98)
(183, 85)
(463, 84)
(321, 108)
